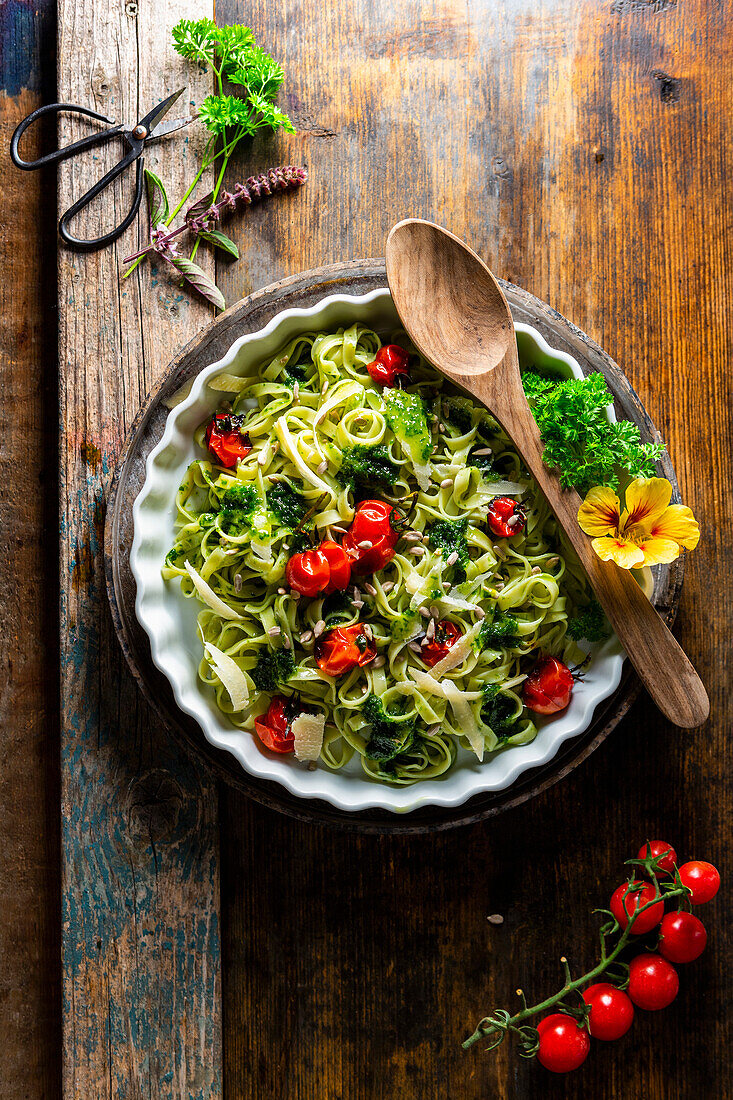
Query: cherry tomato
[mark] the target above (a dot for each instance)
(548, 687)
(653, 982)
(273, 728)
(446, 635)
(389, 365)
(371, 539)
(343, 648)
(659, 848)
(641, 893)
(506, 518)
(682, 937)
(702, 879)
(225, 439)
(309, 572)
(339, 563)
(564, 1044)
(611, 1011)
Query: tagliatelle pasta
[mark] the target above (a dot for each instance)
(311, 415)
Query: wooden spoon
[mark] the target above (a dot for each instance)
(454, 311)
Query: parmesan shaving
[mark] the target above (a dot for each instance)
(464, 716)
(505, 488)
(308, 735)
(230, 675)
(210, 597)
(458, 652)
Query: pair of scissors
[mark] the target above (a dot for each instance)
(150, 128)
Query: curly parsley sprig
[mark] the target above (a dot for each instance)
(236, 60)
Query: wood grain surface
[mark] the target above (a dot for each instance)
(584, 149)
(140, 892)
(30, 934)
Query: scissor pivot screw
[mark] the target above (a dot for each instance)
(139, 132)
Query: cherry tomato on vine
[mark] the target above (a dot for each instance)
(339, 564)
(225, 439)
(343, 648)
(371, 539)
(274, 727)
(702, 879)
(506, 518)
(659, 848)
(653, 982)
(640, 894)
(564, 1044)
(682, 937)
(611, 1011)
(446, 635)
(389, 366)
(548, 687)
(308, 572)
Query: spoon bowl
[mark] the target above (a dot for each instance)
(458, 318)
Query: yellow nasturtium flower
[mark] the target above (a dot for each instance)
(647, 530)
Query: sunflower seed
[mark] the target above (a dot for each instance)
(495, 918)
(306, 636)
(322, 466)
(441, 427)
(418, 551)
(480, 613)
(424, 612)
(365, 689)
(263, 458)
(357, 593)
(483, 451)
(286, 642)
(365, 544)
(447, 483)
(368, 631)
(324, 387)
(513, 521)
(388, 586)
(370, 588)
(296, 392)
(452, 558)
(294, 595)
(378, 662)
(414, 646)
(432, 731)
(412, 536)
(435, 610)
(237, 582)
(274, 630)
(552, 562)
(282, 591)
(339, 530)
(430, 632)
(536, 569)
(357, 603)
(319, 628)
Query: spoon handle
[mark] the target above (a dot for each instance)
(660, 661)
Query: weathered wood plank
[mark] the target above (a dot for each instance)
(140, 844)
(585, 150)
(30, 992)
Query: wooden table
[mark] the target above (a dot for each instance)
(206, 946)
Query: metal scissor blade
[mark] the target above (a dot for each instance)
(152, 118)
(170, 127)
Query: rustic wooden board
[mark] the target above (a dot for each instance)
(141, 972)
(30, 989)
(249, 315)
(584, 148)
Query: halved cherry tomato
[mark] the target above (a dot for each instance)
(343, 648)
(640, 894)
(446, 635)
(653, 982)
(371, 539)
(339, 563)
(611, 1011)
(274, 727)
(309, 572)
(660, 848)
(389, 365)
(564, 1044)
(702, 879)
(225, 439)
(682, 937)
(506, 518)
(548, 687)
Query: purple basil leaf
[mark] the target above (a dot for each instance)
(198, 279)
(220, 240)
(157, 198)
(200, 206)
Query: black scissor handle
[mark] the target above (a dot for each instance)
(69, 150)
(99, 242)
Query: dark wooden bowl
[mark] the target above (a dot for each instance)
(249, 315)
